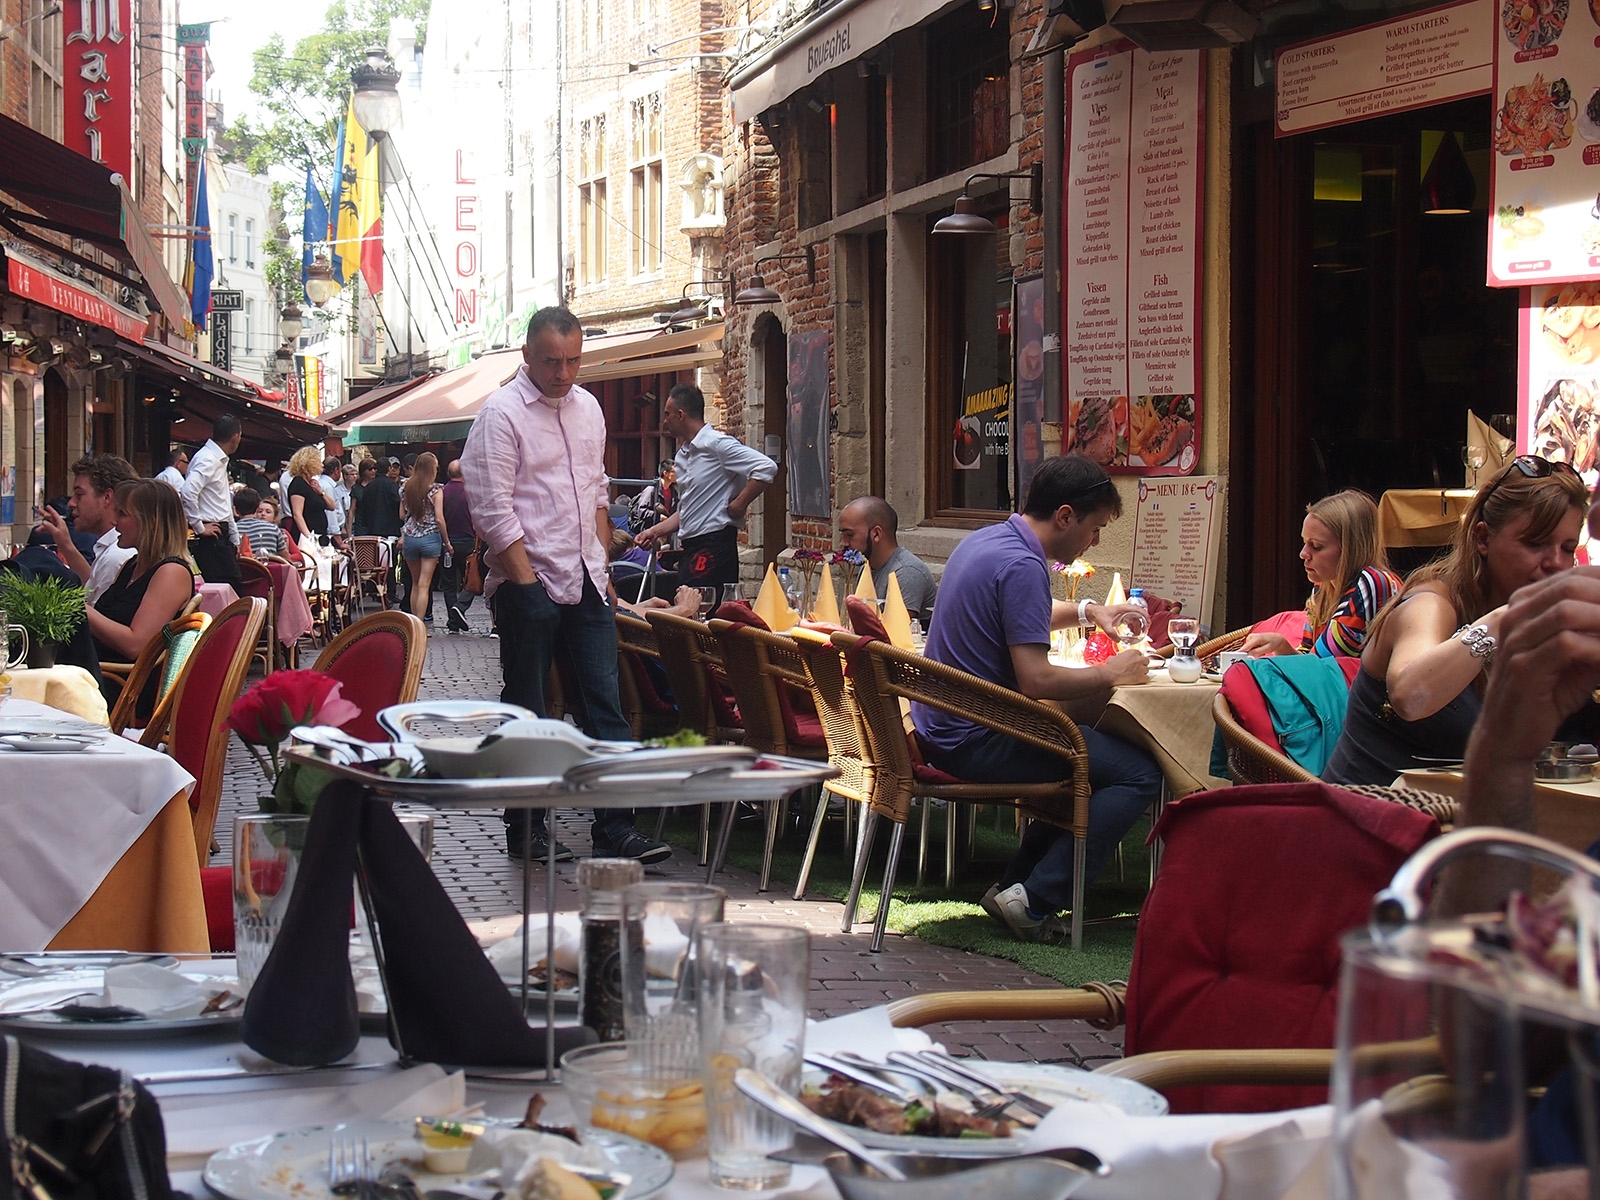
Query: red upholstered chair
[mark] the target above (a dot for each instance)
(378, 662)
(1236, 960)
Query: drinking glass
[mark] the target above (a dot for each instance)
(730, 593)
(753, 982)
(1473, 457)
(661, 925)
(1184, 632)
(708, 600)
(9, 631)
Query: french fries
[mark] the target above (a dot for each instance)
(680, 1129)
(1143, 422)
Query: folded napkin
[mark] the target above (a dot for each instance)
(865, 588)
(867, 1032)
(507, 955)
(826, 606)
(1116, 595)
(199, 1125)
(896, 620)
(772, 606)
(156, 991)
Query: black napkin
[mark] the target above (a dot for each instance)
(302, 1008)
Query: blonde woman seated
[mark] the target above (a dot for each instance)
(1420, 687)
(153, 585)
(1350, 579)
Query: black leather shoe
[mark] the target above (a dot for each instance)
(632, 844)
(539, 850)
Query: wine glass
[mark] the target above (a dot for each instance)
(730, 593)
(1184, 632)
(708, 600)
(1130, 629)
(1473, 457)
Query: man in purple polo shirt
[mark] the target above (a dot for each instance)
(993, 620)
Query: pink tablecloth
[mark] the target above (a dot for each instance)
(294, 613)
(214, 597)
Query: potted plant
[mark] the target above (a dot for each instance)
(48, 609)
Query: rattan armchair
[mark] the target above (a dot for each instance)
(848, 747)
(166, 652)
(369, 565)
(1209, 652)
(1250, 760)
(885, 676)
(637, 648)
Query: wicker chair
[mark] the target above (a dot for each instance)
(166, 652)
(648, 713)
(367, 566)
(765, 672)
(121, 671)
(378, 662)
(884, 677)
(1250, 760)
(256, 580)
(1209, 652)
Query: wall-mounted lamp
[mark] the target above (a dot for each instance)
(965, 219)
(321, 286)
(759, 293)
(688, 312)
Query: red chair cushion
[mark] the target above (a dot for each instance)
(370, 673)
(801, 729)
(1238, 942)
(738, 612)
(864, 619)
(216, 888)
(649, 695)
(194, 716)
(1291, 624)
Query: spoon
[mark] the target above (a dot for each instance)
(767, 1094)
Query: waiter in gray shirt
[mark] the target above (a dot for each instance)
(718, 477)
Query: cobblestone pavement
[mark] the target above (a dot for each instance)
(469, 857)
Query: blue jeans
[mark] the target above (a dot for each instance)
(533, 630)
(1124, 781)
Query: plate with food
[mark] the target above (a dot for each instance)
(1533, 24)
(293, 1165)
(1566, 425)
(947, 1123)
(1535, 118)
(1031, 361)
(1094, 429)
(1570, 322)
(1159, 427)
(132, 1000)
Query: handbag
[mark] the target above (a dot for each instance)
(472, 571)
(76, 1132)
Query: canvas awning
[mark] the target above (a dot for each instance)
(441, 408)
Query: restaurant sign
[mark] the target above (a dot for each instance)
(97, 116)
(1420, 59)
(36, 282)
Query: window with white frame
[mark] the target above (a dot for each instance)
(233, 238)
(593, 214)
(247, 320)
(250, 243)
(45, 88)
(647, 213)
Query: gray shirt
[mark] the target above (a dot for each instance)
(916, 581)
(712, 469)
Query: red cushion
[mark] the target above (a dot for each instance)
(1238, 942)
(864, 618)
(802, 729)
(649, 695)
(922, 770)
(370, 673)
(1244, 696)
(216, 888)
(740, 613)
(1291, 624)
(194, 717)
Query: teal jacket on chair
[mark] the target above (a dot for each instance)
(1306, 696)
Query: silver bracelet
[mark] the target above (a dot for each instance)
(1480, 643)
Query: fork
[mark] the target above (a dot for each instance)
(992, 1104)
(349, 1166)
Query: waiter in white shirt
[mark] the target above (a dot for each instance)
(177, 467)
(208, 504)
(718, 477)
(94, 483)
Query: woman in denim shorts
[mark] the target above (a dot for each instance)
(424, 536)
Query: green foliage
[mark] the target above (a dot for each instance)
(283, 260)
(48, 609)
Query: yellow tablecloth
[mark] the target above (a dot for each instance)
(1421, 516)
(71, 689)
(1173, 722)
(1568, 813)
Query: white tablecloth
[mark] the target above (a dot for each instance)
(65, 821)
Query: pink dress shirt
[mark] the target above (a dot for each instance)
(535, 469)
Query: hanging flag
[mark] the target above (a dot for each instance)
(336, 195)
(359, 232)
(201, 264)
(315, 230)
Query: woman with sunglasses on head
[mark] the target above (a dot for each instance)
(1419, 690)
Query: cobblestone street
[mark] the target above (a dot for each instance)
(469, 857)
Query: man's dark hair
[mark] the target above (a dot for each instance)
(105, 471)
(555, 317)
(176, 453)
(224, 427)
(411, 460)
(878, 512)
(667, 464)
(1075, 480)
(331, 465)
(690, 400)
(246, 501)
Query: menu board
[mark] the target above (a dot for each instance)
(1177, 540)
(1420, 59)
(1545, 221)
(1132, 226)
(1559, 356)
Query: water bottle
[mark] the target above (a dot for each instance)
(791, 587)
(1131, 627)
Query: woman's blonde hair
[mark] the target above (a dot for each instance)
(1544, 499)
(423, 474)
(1352, 517)
(163, 531)
(306, 463)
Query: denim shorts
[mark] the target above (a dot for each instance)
(429, 545)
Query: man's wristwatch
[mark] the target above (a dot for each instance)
(1083, 612)
(1480, 643)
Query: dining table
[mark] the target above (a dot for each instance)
(1568, 813)
(97, 846)
(69, 689)
(214, 597)
(1421, 516)
(1173, 722)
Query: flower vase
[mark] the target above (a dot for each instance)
(266, 861)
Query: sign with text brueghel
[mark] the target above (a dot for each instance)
(1420, 59)
(1177, 540)
(1132, 225)
(100, 92)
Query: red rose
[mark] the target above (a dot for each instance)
(264, 715)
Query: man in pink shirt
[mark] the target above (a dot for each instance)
(534, 465)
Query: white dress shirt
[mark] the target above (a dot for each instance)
(173, 478)
(205, 493)
(712, 469)
(330, 489)
(535, 470)
(108, 562)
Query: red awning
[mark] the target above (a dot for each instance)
(82, 198)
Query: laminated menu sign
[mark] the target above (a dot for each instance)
(1177, 540)
(1544, 224)
(1132, 224)
(1559, 349)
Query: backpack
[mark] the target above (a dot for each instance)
(642, 510)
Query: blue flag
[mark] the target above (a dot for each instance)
(315, 230)
(336, 196)
(202, 266)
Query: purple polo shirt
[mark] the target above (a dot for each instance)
(994, 594)
(457, 513)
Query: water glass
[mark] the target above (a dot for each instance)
(1184, 632)
(661, 925)
(730, 593)
(708, 600)
(753, 981)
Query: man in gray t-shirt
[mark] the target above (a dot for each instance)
(870, 527)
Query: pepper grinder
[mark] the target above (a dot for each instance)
(601, 882)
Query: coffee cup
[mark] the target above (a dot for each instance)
(1229, 657)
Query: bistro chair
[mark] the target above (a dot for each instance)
(884, 677)
(1250, 758)
(256, 580)
(378, 662)
(162, 658)
(649, 713)
(1209, 652)
(370, 566)
(1236, 958)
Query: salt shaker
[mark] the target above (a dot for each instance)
(601, 882)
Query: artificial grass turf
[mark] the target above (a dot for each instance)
(947, 917)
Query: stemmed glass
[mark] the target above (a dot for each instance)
(730, 593)
(1183, 666)
(1184, 632)
(708, 600)
(1473, 458)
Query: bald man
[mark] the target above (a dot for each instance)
(869, 526)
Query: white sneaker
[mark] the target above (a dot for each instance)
(1010, 908)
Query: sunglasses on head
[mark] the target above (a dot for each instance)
(1531, 466)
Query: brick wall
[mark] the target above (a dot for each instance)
(150, 53)
(13, 63)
